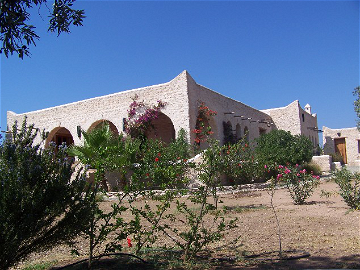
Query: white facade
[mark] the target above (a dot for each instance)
(182, 96)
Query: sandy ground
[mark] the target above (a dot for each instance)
(323, 227)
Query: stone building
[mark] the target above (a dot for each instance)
(345, 141)
(182, 96)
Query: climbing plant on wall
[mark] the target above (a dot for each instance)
(202, 127)
(140, 116)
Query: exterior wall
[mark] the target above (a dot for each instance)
(183, 96)
(323, 161)
(351, 135)
(222, 105)
(112, 108)
(296, 120)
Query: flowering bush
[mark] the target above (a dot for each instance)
(299, 182)
(140, 116)
(202, 128)
(238, 163)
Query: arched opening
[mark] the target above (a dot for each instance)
(238, 132)
(246, 134)
(162, 129)
(59, 136)
(228, 133)
(101, 123)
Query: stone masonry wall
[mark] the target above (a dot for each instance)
(352, 137)
(222, 105)
(112, 108)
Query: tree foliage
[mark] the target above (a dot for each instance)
(280, 147)
(41, 205)
(16, 32)
(357, 105)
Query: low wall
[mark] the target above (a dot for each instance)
(323, 161)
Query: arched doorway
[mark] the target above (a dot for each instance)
(238, 132)
(101, 123)
(59, 135)
(162, 128)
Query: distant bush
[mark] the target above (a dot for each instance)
(312, 167)
(280, 147)
(336, 157)
(349, 184)
(40, 205)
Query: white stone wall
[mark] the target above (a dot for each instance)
(222, 104)
(351, 135)
(296, 120)
(182, 95)
(112, 108)
(323, 161)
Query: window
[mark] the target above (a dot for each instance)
(262, 131)
(303, 117)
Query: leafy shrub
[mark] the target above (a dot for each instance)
(349, 184)
(162, 166)
(336, 157)
(280, 147)
(300, 184)
(40, 205)
(312, 167)
(237, 162)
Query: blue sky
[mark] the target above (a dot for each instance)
(265, 54)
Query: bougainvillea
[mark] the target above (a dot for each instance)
(202, 128)
(140, 116)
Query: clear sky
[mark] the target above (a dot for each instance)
(265, 54)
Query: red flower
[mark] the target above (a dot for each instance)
(129, 242)
(156, 159)
(147, 174)
(159, 154)
(185, 160)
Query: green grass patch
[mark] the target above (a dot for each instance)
(39, 266)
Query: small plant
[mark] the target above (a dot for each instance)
(300, 184)
(336, 157)
(349, 184)
(312, 167)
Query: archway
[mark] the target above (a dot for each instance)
(102, 122)
(238, 132)
(59, 135)
(228, 133)
(162, 129)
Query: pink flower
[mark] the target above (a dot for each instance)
(287, 171)
(278, 176)
(265, 167)
(281, 166)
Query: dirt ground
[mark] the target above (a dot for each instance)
(323, 228)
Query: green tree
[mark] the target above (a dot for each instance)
(356, 93)
(16, 32)
(41, 204)
(280, 147)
